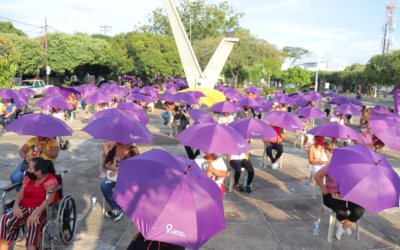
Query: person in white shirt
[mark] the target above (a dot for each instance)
(337, 117)
(214, 166)
(225, 119)
(237, 162)
(60, 114)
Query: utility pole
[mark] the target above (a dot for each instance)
(105, 27)
(47, 59)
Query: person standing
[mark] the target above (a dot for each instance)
(327, 108)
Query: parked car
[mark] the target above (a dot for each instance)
(36, 85)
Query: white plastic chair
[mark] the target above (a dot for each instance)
(332, 220)
(265, 157)
(232, 178)
(151, 104)
(302, 139)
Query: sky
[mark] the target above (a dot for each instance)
(356, 25)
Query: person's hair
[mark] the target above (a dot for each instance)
(46, 166)
(364, 107)
(327, 99)
(11, 100)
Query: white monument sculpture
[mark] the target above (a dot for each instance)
(195, 77)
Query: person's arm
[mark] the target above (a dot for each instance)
(13, 110)
(228, 159)
(20, 196)
(63, 117)
(267, 142)
(74, 102)
(52, 153)
(311, 159)
(319, 180)
(33, 219)
(218, 173)
(282, 135)
(23, 151)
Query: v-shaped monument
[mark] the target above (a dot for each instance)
(195, 76)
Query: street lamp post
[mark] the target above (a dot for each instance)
(319, 51)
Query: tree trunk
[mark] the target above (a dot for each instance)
(236, 77)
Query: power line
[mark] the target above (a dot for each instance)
(21, 22)
(32, 29)
(105, 27)
(53, 28)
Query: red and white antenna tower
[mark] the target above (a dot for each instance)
(388, 27)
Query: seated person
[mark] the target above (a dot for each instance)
(214, 166)
(280, 107)
(107, 145)
(367, 138)
(140, 243)
(10, 114)
(167, 112)
(117, 153)
(237, 162)
(44, 147)
(275, 143)
(318, 154)
(246, 113)
(225, 118)
(73, 101)
(30, 204)
(334, 201)
(180, 119)
(306, 127)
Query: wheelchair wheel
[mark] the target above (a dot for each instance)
(66, 220)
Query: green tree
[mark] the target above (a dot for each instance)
(8, 27)
(208, 20)
(381, 70)
(32, 58)
(101, 36)
(296, 75)
(8, 68)
(295, 53)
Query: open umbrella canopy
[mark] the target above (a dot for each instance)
(9, 94)
(88, 89)
(169, 80)
(214, 138)
(200, 116)
(261, 100)
(104, 85)
(138, 98)
(212, 96)
(131, 106)
(356, 102)
(116, 91)
(120, 129)
(53, 90)
(380, 123)
(284, 100)
(248, 102)
(186, 205)
(331, 94)
(184, 98)
(166, 96)
(130, 78)
(312, 98)
(300, 102)
(197, 94)
(27, 91)
(117, 112)
(264, 107)
(58, 102)
(387, 129)
(311, 112)
(347, 109)
(221, 88)
(39, 125)
(379, 110)
(98, 97)
(19, 99)
(284, 120)
(251, 128)
(225, 107)
(365, 178)
(278, 94)
(335, 130)
(252, 90)
(156, 86)
(66, 91)
(339, 100)
(315, 93)
(300, 93)
(234, 95)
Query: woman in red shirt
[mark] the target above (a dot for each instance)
(30, 204)
(73, 101)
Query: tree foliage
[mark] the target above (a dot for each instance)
(8, 27)
(295, 53)
(8, 68)
(101, 36)
(208, 20)
(297, 75)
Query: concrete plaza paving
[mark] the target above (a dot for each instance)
(278, 214)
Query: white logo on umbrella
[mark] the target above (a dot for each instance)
(200, 121)
(174, 232)
(134, 137)
(252, 133)
(241, 145)
(101, 100)
(293, 126)
(169, 228)
(182, 101)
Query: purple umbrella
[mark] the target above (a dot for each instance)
(380, 123)
(284, 100)
(27, 91)
(251, 128)
(66, 91)
(265, 107)
(19, 99)
(104, 85)
(98, 97)
(300, 93)
(312, 98)
(156, 86)
(339, 100)
(225, 107)
(135, 90)
(365, 178)
(300, 102)
(214, 138)
(197, 94)
(9, 94)
(234, 95)
(120, 129)
(138, 98)
(145, 92)
(248, 102)
(284, 120)
(388, 130)
(356, 102)
(293, 94)
(278, 94)
(130, 78)
(335, 130)
(187, 207)
(166, 96)
(379, 110)
(169, 80)
(311, 112)
(252, 90)
(315, 93)
(331, 94)
(53, 90)
(117, 112)
(138, 84)
(348, 110)
(39, 125)
(178, 80)
(58, 102)
(116, 91)
(200, 116)
(172, 89)
(222, 88)
(184, 98)
(262, 100)
(131, 106)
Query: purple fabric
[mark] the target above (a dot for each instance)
(120, 129)
(169, 80)
(66, 91)
(214, 138)
(27, 91)
(300, 93)
(396, 97)
(380, 123)
(187, 209)
(315, 93)
(387, 129)
(339, 100)
(331, 94)
(197, 94)
(53, 90)
(166, 96)
(278, 94)
(311, 112)
(200, 116)
(138, 98)
(130, 106)
(380, 110)
(356, 102)
(293, 94)
(284, 100)
(335, 130)
(225, 107)
(234, 95)
(9, 94)
(348, 110)
(19, 99)
(312, 98)
(39, 125)
(252, 90)
(300, 102)
(104, 85)
(58, 102)
(88, 89)
(284, 120)
(98, 97)
(116, 91)
(365, 178)
(261, 100)
(248, 102)
(156, 86)
(251, 128)
(184, 98)
(130, 78)
(117, 112)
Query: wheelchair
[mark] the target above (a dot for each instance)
(61, 223)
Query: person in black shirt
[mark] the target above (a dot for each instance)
(245, 113)
(180, 119)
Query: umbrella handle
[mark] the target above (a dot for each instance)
(338, 185)
(187, 170)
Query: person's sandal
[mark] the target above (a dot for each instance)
(239, 188)
(248, 189)
(103, 175)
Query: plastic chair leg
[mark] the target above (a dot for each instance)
(295, 140)
(358, 229)
(309, 181)
(332, 220)
(314, 195)
(265, 157)
(231, 179)
(320, 214)
(101, 162)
